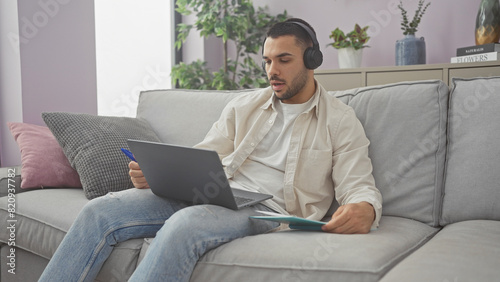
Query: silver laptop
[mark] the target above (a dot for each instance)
(189, 174)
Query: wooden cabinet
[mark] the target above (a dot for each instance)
(342, 79)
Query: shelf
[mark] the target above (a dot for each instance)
(342, 79)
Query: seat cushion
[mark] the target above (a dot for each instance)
(463, 251)
(312, 256)
(472, 187)
(28, 267)
(43, 218)
(12, 176)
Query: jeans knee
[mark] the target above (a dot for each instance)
(99, 208)
(195, 215)
(185, 223)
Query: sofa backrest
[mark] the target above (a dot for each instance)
(472, 185)
(181, 116)
(406, 125)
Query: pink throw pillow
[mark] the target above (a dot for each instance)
(43, 161)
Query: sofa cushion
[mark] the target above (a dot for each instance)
(38, 148)
(312, 256)
(463, 251)
(28, 267)
(472, 188)
(92, 145)
(183, 117)
(43, 217)
(122, 261)
(12, 176)
(406, 125)
(344, 95)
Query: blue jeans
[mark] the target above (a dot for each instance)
(183, 233)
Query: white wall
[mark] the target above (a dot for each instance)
(133, 52)
(49, 60)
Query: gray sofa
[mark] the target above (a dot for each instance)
(436, 157)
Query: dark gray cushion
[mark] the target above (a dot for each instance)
(472, 188)
(92, 145)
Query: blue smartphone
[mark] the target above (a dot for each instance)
(129, 154)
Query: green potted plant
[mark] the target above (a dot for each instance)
(233, 22)
(350, 45)
(411, 50)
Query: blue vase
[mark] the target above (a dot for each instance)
(410, 51)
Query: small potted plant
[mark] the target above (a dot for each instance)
(350, 46)
(411, 50)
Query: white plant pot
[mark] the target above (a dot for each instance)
(350, 58)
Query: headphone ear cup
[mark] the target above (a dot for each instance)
(308, 58)
(313, 58)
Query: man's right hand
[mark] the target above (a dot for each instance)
(137, 176)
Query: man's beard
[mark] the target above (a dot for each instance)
(298, 83)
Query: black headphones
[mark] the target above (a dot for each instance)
(313, 58)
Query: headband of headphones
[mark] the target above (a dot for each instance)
(309, 32)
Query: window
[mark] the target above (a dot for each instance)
(133, 52)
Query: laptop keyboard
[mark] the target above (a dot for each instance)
(241, 200)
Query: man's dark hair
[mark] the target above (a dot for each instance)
(289, 28)
(305, 36)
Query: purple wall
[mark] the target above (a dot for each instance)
(56, 66)
(58, 71)
(447, 24)
(58, 62)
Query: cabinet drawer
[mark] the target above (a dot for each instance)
(474, 72)
(339, 81)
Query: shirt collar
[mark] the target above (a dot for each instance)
(272, 99)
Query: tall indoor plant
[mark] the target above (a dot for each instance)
(350, 46)
(411, 50)
(233, 22)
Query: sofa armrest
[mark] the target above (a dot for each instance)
(12, 176)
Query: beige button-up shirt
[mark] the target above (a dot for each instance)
(328, 154)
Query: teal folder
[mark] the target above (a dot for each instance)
(293, 222)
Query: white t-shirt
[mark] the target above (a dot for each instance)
(264, 169)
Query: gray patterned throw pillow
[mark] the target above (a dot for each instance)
(92, 145)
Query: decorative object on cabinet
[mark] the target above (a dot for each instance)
(350, 46)
(488, 22)
(411, 50)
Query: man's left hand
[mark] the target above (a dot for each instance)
(351, 219)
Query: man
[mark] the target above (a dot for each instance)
(291, 140)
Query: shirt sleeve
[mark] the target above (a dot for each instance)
(220, 137)
(352, 167)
